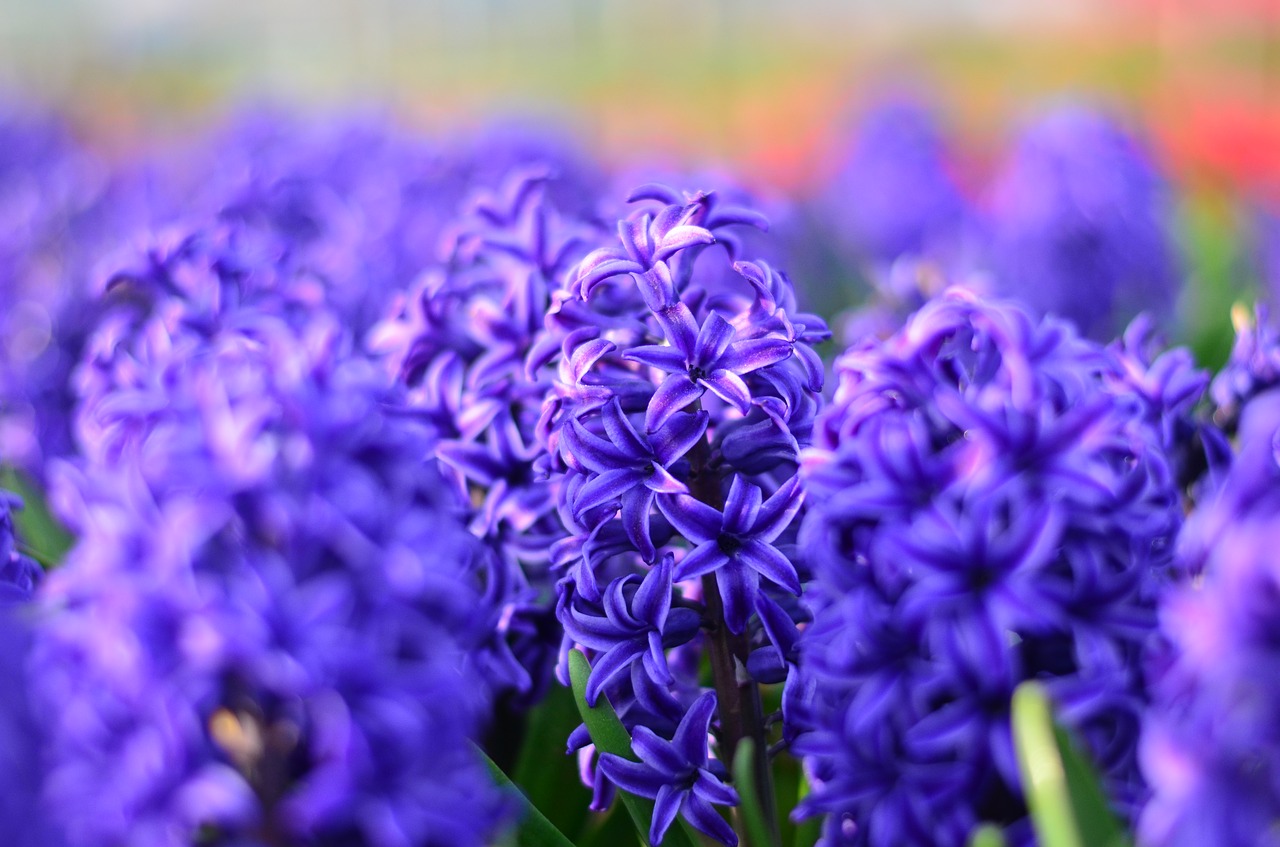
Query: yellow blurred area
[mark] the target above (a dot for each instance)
(759, 85)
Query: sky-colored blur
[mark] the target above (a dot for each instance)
(760, 84)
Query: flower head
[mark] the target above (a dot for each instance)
(677, 775)
(989, 502)
(1079, 224)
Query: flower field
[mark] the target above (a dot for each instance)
(877, 476)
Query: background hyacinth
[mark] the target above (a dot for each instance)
(989, 502)
(1209, 746)
(897, 194)
(274, 628)
(1079, 224)
(459, 340)
(680, 404)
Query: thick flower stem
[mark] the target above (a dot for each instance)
(741, 713)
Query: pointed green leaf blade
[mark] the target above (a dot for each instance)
(610, 736)
(533, 829)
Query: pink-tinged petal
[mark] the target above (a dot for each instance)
(590, 450)
(778, 511)
(620, 431)
(660, 356)
(713, 340)
(741, 506)
(679, 435)
(759, 278)
(768, 561)
(637, 505)
(664, 194)
(605, 488)
(657, 287)
(662, 482)
(682, 238)
(588, 279)
(748, 356)
(678, 327)
(653, 600)
(704, 818)
(665, 809)
(713, 790)
(631, 776)
(690, 740)
(609, 665)
(730, 388)
(586, 355)
(676, 392)
(637, 240)
(703, 559)
(692, 518)
(738, 586)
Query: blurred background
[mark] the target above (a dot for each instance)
(772, 90)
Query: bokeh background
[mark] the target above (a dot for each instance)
(771, 89)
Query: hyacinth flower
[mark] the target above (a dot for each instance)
(673, 428)
(1253, 368)
(275, 628)
(896, 194)
(678, 775)
(1079, 224)
(1210, 740)
(990, 502)
(458, 343)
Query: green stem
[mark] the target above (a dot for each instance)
(741, 714)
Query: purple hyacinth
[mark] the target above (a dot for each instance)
(274, 627)
(458, 341)
(681, 400)
(1080, 224)
(896, 194)
(677, 775)
(1210, 740)
(989, 502)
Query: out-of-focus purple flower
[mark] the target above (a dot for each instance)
(896, 193)
(458, 341)
(274, 626)
(677, 775)
(989, 502)
(1079, 224)
(1210, 738)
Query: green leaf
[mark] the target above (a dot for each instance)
(547, 776)
(610, 736)
(40, 535)
(987, 835)
(753, 818)
(1067, 804)
(534, 830)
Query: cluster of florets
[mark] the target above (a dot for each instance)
(274, 627)
(1211, 740)
(680, 404)
(989, 503)
(458, 340)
